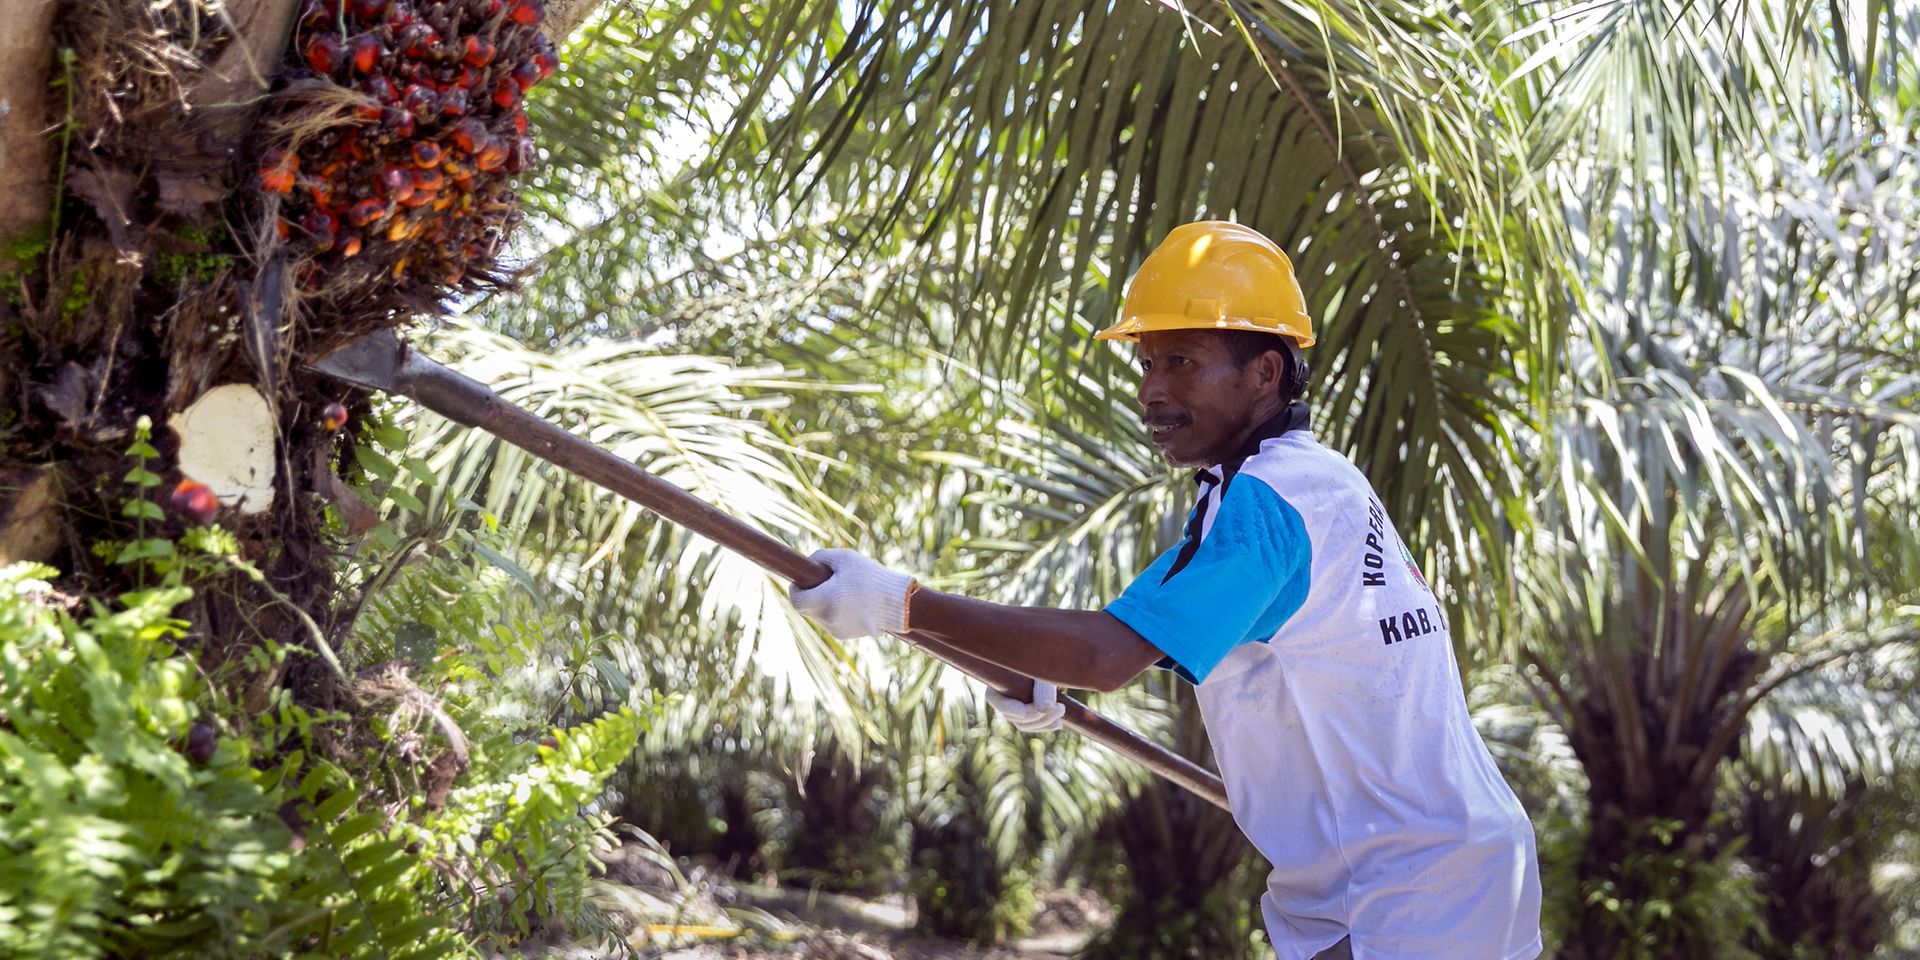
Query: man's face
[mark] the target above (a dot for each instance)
(1198, 405)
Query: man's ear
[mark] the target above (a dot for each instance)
(1273, 370)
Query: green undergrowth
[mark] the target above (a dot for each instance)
(154, 803)
(138, 818)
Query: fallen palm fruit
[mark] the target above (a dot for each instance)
(195, 500)
(201, 743)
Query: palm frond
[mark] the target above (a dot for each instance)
(688, 421)
(959, 177)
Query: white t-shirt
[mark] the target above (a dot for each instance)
(1327, 680)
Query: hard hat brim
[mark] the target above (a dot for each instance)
(1129, 329)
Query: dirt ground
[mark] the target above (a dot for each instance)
(663, 912)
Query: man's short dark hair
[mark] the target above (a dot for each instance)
(1245, 346)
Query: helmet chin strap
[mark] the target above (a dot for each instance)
(1293, 383)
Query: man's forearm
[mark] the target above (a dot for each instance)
(1070, 648)
(1000, 677)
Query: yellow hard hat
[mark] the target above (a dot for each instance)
(1214, 275)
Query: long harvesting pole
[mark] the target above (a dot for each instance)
(382, 362)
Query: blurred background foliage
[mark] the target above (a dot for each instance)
(1617, 310)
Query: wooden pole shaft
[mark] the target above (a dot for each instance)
(467, 401)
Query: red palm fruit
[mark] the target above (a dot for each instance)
(458, 163)
(401, 228)
(368, 9)
(282, 229)
(428, 182)
(526, 12)
(397, 183)
(422, 102)
(315, 14)
(325, 52)
(195, 500)
(506, 95)
(366, 52)
(544, 56)
(400, 123)
(349, 244)
(468, 134)
(468, 77)
(492, 155)
(477, 52)
(520, 122)
(366, 211)
(525, 75)
(333, 417)
(277, 173)
(320, 225)
(380, 88)
(426, 154)
(417, 40)
(453, 102)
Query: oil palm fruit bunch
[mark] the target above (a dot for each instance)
(415, 179)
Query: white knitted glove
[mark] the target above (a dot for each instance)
(1043, 715)
(861, 599)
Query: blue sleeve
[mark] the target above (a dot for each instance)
(1248, 575)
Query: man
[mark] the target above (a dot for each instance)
(1322, 662)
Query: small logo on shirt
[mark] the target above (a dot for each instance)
(1414, 569)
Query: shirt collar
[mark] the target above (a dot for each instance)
(1294, 416)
